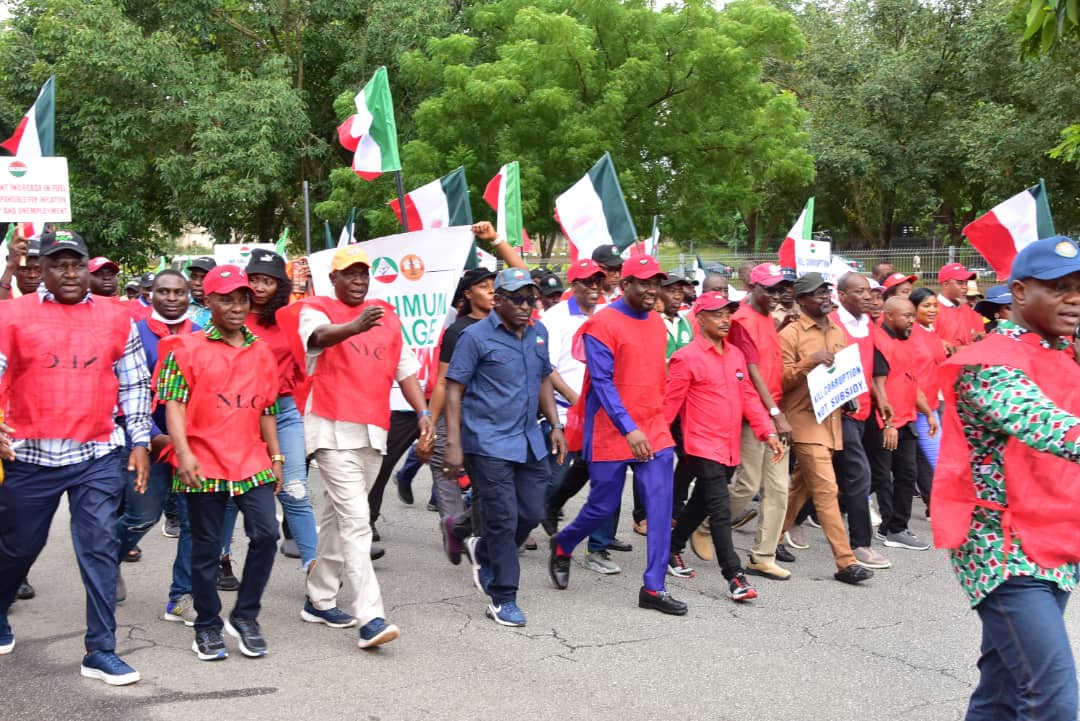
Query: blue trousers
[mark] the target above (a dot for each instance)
(29, 497)
(512, 495)
(294, 497)
(1026, 668)
(566, 480)
(206, 512)
(142, 511)
(654, 480)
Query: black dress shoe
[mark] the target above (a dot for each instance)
(432, 507)
(550, 525)
(25, 592)
(854, 574)
(375, 537)
(620, 545)
(377, 552)
(662, 602)
(558, 567)
(134, 555)
(782, 554)
(404, 491)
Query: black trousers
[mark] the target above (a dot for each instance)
(894, 475)
(403, 432)
(709, 500)
(206, 513)
(853, 480)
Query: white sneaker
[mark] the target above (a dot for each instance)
(600, 562)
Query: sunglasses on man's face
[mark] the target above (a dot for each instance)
(520, 299)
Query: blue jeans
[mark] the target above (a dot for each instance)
(410, 468)
(929, 446)
(142, 511)
(1026, 668)
(294, 497)
(512, 496)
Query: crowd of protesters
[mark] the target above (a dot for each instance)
(207, 396)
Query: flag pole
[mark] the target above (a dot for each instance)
(307, 220)
(401, 200)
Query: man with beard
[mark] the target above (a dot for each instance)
(895, 464)
(811, 341)
(623, 349)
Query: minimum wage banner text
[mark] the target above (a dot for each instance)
(417, 273)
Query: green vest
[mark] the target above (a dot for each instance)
(682, 336)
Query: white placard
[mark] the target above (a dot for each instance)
(835, 385)
(813, 256)
(238, 253)
(35, 190)
(417, 273)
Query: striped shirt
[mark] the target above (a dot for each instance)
(173, 386)
(133, 397)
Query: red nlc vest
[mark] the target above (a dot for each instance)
(230, 389)
(352, 379)
(1043, 490)
(640, 376)
(60, 366)
(289, 373)
(900, 385)
(866, 355)
(762, 329)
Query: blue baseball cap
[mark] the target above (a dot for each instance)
(1047, 259)
(996, 296)
(511, 279)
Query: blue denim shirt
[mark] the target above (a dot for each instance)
(502, 375)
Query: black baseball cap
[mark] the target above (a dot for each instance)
(608, 256)
(204, 263)
(468, 280)
(810, 283)
(266, 262)
(146, 280)
(675, 280)
(550, 284)
(61, 240)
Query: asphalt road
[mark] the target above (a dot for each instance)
(902, 646)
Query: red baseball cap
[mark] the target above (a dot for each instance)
(583, 269)
(225, 279)
(642, 267)
(767, 274)
(714, 301)
(954, 271)
(897, 278)
(100, 262)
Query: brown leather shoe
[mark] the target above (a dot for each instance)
(701, 542)
(767, 569)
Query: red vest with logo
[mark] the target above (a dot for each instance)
(1043, 490)
(230, 388)
(929, 356)
(762, 328)
(60, 366)
(866, 355)
(639, 376)
(353, 379)
(958, 325)
(900, 384)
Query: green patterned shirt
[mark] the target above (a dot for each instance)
(994, 403)
(172, 386)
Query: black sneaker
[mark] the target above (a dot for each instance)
(782, 554)
(377, 552)
(226, 580)
(209, 645)
(550, 524)
(558, 566)
(404, 490)
(854, 574)
(739, 589)
(661, 601)
(678, 569)
(252, 643)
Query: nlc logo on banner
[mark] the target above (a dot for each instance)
(417, 273)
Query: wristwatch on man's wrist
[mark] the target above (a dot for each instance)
(277, 457)
(774, 411)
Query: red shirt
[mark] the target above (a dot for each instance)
(765, 342)
(928, 359)
(713, 394)
(900, 385)
(290, 374)
(958, 324)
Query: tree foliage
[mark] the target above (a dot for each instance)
(678, 97)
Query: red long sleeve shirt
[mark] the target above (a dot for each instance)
(713, 393)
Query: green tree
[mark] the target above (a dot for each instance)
(678, 97)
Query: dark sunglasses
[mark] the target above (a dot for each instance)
(592, 282)
(520, 299)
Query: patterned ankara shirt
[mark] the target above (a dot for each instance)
(172, 386)
(994, 403)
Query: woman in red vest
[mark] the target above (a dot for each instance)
(220, 389)
(1007, 489)
(929, 355)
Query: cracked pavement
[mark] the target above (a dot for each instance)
(903, 645)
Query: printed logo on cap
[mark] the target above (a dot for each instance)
(17, 168)
(226, 274)
(643, 261)
(384, 269)
(775, 270)
(1065, 249)
(412, 266)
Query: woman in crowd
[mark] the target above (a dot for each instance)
(931, 354)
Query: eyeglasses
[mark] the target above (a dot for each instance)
(520, 299)
(592, 282)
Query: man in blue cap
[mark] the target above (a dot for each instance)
(1007, 492)
(499, 377)
(997, 305)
